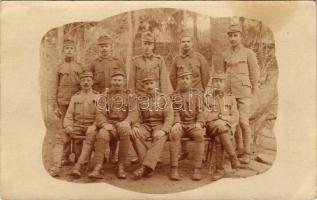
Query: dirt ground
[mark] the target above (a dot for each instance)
(261, 161)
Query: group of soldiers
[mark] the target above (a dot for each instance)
(187, 101)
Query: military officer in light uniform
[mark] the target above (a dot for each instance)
(222, 118)
(152, 118)
(240, 64)
(188, 120)
(79, 120)
(113, 123)
(67, 84)
(103, 66)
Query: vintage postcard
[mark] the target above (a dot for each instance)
(158, 100)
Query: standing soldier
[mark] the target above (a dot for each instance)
(221, 120)
(102, 69)
(78, 120)
(144, 63)
(67, 84)
(147, 62)
(104, 65)
(192, 59)
(197, 63)
(156, 119)
(112, 118)
(241, 65)
(188, 120)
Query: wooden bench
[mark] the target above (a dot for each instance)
(207, 139)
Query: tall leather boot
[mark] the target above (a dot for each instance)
(227, 145)
(219, 173)
(96, 173)
(57, 160)
(124, 146)
(85, 153)
(101, 146)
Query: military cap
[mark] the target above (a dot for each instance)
(117, 72)
(68, 42)
(104, 39)
(149, 76)
(235, 28)
(85, 74)
(183, 70)
(219, 75)
(186, 34)
(148, 37)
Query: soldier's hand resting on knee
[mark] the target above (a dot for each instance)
(177, 128)
(198, 125)
(157, 134)
(69, 130)
(135, 133)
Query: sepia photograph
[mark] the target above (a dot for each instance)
(158, 99)
(177, 52)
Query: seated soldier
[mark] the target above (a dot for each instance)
(79, 120)
(188, 120)
(221, 118)
(152, 118)
(112, 119)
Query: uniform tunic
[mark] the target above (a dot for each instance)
(188, 110)
(153, 113)
(142, 64)
(199, 66)
(102, 69)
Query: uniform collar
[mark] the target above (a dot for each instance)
(184, 90)
(101, 58)
(189, 53)
(144, 56)
(113, 91)
(220, 94)
(89, 92)
(69, 59)
(237, 48)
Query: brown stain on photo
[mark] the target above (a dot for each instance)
(273, 14)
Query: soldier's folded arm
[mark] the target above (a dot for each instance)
(254, 71)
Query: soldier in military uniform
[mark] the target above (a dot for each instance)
(79, 120)
(192, 59)
(102, 69)
(113, 123)
(188, 120)
(67, 84)
(146, 62)
(241, 65)
(103, 66)
(221, 119)
(152, 118)
(196, 62)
